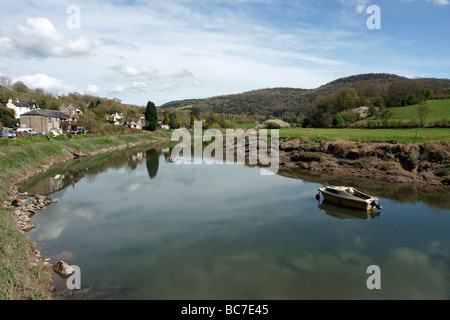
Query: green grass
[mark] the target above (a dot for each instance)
(413, 135)
(245, 126)
(440, 109)
(18, 278)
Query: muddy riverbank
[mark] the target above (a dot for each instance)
(426, 164)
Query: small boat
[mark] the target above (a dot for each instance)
(349, 197)
(80, 154)
(172, 160)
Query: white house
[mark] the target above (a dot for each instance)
(21, 108)
(116, 118)
(136, 124)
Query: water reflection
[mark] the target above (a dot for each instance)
(433, 197)
(69, 174)
(142, 228)
(152, 161)
(347, 213)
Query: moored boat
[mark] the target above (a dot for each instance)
(80, 155)
(349, 197)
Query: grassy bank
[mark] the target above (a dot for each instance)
(24, 157)
(396, 135)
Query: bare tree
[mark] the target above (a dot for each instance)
(423, 112)
(5, 82)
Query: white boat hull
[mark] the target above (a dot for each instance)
(342, 197)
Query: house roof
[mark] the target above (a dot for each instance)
(29, 105)
(47, 114)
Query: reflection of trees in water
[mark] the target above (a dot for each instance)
(135, 159)
(88, 168)
(166, 153)
(152, 160)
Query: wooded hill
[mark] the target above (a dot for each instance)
(320, 104)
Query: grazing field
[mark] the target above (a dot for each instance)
(245, 126)
(412, 135)
(439, 109)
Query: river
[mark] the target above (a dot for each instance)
(140, 227)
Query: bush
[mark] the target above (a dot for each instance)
(443, 172)
(274, 124)
(306, 157)
(338, 121)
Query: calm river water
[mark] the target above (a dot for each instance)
(139, 227)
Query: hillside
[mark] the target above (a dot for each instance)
(293, 104)
(439, 110)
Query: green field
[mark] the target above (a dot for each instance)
(409, 135)
(440, 109)
(245, 126)
(413, 135)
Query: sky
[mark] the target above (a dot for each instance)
(164, 50)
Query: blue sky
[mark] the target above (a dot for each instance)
(140, 50)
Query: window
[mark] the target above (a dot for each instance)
(332, 191)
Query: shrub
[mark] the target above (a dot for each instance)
(338, 121)
(443, 172)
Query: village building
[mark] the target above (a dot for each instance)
(21, 108)
(116, 118)
(71, 110)
(43, 121)
(137, 124)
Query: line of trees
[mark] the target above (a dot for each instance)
(343, 108)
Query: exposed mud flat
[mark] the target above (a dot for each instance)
(426, 164)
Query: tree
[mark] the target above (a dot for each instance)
(427, 93)
(192, 120)
(166, 119)
(423, 112)
(43, 103)
(373, 111)
(379, 103)
(130, 115)
(338, 121)
(19, 86)
(385, 116)
(151, 115)
(347, 98)
(196, 112)
(7, 116)
(399, 92)
(411, 99)
(174, 123)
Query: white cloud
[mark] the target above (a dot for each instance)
(118, 44)
(440, 2)
(39, 38)
(117, 89)
(93, 89)
(145, 79)
(44, 82)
